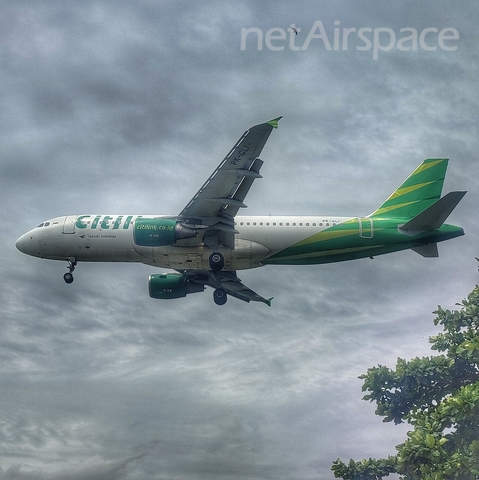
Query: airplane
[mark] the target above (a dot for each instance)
(207, 243)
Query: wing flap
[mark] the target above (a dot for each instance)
(243, 188)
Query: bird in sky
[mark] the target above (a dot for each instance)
(295, 30)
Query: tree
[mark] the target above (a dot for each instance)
(438, 396)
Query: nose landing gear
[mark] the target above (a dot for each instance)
(68, 277)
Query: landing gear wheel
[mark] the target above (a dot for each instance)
(219, 296)
(68, 277)
(72, 263)
(217, 261)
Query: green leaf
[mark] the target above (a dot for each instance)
(430, 440)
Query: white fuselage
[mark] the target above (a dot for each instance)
(110, 238)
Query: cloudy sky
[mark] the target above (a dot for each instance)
(127, 107)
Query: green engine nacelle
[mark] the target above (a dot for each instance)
(158, 232)
(172, 285)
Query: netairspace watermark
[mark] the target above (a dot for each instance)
(376, 40)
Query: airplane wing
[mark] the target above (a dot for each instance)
(227, 281)
(217, 202)
(233, 286)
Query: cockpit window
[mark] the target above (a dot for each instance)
(41, 225)
(46, 224)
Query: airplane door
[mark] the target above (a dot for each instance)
(69, 224)
(366, 227)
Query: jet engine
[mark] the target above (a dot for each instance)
(172, 285)
(158, 232)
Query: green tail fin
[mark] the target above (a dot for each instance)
(419, 191)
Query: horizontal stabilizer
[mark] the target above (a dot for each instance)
(427, 250)
(434, 216)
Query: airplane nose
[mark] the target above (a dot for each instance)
(27, 244)
(20, 244)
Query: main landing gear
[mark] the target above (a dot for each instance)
(219, 296)
(68, 277)
(217, 262)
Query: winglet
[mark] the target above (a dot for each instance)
(269, 300)
(274, 122)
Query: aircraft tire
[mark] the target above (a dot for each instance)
(219, 296)
(217, 261)
(68, 277)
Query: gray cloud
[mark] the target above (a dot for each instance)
(127, 108)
